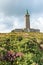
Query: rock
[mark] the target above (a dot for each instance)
(41, 46)
(37, 64)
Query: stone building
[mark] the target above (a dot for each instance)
(27, 20)
(27, 29)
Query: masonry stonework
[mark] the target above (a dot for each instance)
(27, 29)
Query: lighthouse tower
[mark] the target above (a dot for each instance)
(27, 17)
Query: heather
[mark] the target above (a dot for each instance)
(20, 48)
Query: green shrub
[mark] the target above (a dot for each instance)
(19, 38)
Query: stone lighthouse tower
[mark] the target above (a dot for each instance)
(27, 17)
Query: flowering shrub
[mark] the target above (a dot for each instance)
(11, 56)
(21, 50)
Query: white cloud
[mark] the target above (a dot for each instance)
(37, 23)
(18, 23)
(3, 29)
(15, 23)
(8, 23)
(10, 8)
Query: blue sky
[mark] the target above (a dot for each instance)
(12, 14)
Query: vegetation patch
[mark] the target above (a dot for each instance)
(18, 49)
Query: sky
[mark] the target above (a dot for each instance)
(12, 14)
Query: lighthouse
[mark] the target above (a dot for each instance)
(27, 20)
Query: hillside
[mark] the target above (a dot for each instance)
(21, 48)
